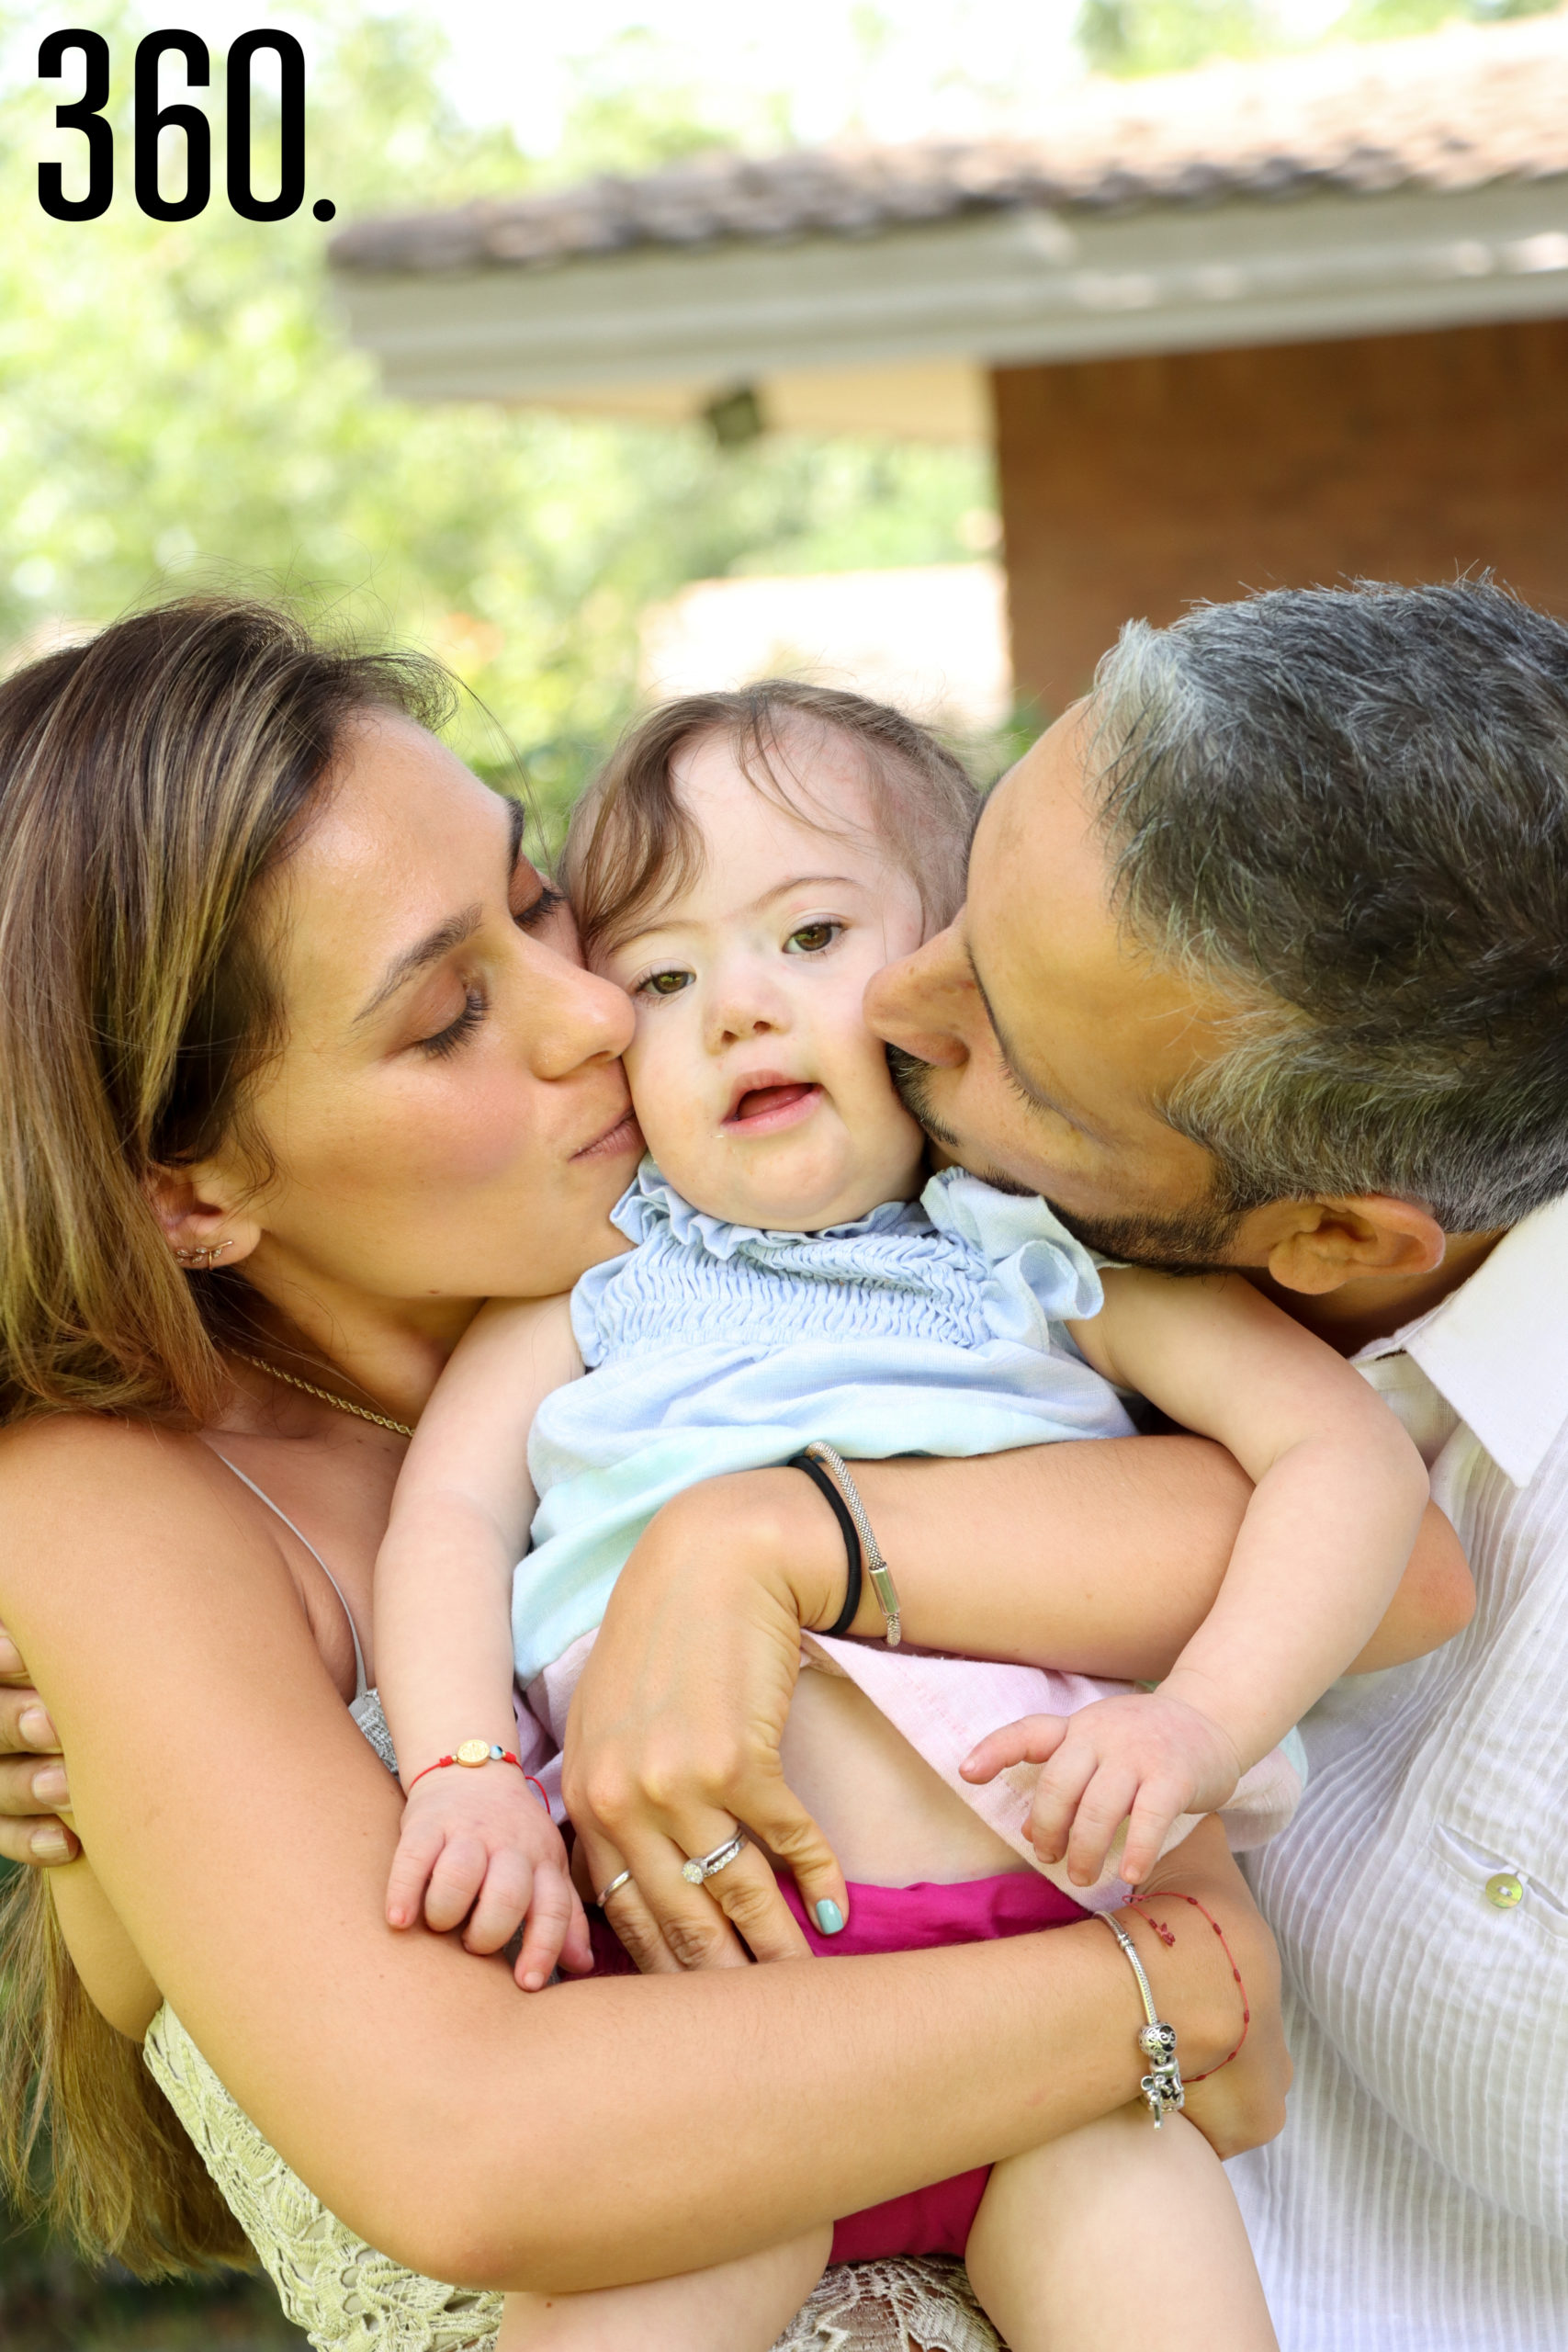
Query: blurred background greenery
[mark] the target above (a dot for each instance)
(178, 403)
(179, 406)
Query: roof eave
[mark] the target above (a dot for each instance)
(998, 288)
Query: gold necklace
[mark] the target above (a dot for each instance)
(341, 1404)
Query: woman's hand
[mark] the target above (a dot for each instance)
(674, 1730)
(32, 1774)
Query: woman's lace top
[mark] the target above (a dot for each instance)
(345, 2296)
(348, 2297)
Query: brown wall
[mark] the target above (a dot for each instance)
(1129, 486)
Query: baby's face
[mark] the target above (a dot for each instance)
(764, 1098)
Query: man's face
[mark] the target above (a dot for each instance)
(1044, 1041)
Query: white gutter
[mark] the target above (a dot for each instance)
(994, 287)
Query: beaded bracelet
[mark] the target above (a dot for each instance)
(1163, 2090)
(1167, 1938)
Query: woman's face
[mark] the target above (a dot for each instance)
(448, 1119)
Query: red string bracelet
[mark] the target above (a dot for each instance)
(537, 1787)
(1167, 1938)
(470, 1755)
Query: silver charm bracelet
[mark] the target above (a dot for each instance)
(1161, 2086)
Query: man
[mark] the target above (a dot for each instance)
(1265, 964)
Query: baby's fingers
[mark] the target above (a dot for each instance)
(454, 1882)
(1154, 1810)
(502, 1903)
(1101, 1811)
(552, 1913)
(418, 1849)
(1034, 1739)
(576, 1952)
(1057, 1797)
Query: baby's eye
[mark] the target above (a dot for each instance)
(812, 937)
(663, 984)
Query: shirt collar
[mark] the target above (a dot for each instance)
(1497, 1347)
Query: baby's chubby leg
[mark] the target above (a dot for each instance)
(738, 2306)
(1112, 2221)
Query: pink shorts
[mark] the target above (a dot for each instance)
(909, 1919)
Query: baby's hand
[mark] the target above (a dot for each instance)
(480, 1847)
(1145, 1756)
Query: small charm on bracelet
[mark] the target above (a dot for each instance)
(1162, 2087)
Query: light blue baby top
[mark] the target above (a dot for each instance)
(928, 1327)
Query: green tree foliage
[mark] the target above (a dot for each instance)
(1135, 37)
(179, 405)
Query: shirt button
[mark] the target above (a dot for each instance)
(1503, 1890)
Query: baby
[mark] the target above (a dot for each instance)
(743, 868)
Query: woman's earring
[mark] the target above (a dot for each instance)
(200, 1261)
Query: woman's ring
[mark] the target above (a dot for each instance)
(702, 1866)
(622, 1878)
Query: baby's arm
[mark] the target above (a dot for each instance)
(1339, 1495)
(476, 1845)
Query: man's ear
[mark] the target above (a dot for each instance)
(1318, 1245)
(200, 1229)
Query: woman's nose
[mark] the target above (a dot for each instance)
(925, 1002)
(577, 1018)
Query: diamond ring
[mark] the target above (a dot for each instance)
(702, 1866)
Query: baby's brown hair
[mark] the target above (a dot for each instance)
(630, 844)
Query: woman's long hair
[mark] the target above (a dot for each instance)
(151, 781)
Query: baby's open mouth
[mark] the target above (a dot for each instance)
(771, 1103)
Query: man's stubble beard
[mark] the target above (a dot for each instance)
(1198, 1241)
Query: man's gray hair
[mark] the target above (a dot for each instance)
(1347, 809)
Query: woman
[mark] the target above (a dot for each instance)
(298, 1064)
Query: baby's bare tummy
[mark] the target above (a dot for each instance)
(891, 1820)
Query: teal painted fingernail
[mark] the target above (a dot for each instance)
(830, 1918)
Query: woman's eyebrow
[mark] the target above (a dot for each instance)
(428, 950)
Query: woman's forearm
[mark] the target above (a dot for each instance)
(242, 1833)
(681, 2120)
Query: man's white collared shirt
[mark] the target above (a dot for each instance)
(1417, 2200)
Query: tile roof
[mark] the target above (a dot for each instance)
(1450, 110)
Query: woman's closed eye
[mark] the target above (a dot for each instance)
(446, 1041)
(540, 908)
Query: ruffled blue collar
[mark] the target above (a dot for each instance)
(650, 1204)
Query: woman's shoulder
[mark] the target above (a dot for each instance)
(97, 1491)
(68, 1456)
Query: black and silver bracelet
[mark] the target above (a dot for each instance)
(841, 1510)
(830, 1473)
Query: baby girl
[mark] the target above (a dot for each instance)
(744, 866)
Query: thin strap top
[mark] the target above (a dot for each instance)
(361, 1680)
